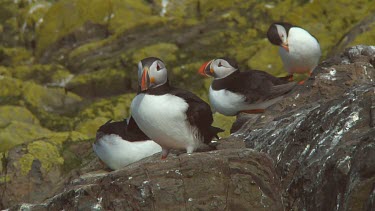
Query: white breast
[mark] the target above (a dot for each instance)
(226, 102)
(163, 119)
(116, 152)
(304, 52)
(229, 103)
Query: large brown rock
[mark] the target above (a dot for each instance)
(322, 136)
(231, 179)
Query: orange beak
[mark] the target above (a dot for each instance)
(203, 68)
(285, 46)
(144, 80)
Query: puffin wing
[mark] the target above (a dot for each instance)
(259, 86)
(133, 132)
(198, 114)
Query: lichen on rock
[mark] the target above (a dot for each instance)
(45, 152)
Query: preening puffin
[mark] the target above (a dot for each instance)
(299, 50)
(121, 143)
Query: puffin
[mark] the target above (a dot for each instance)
(121, 143)
(298, 49)
(172, 117)
(232, 91)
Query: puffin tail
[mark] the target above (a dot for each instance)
(215, 130)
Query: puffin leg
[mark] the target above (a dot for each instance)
(164, 153)
(290, 78)
(302, 82)
(253, 111)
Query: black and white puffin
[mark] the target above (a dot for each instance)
(232, 91)
(299, 50)
(172, 117)
(121, 143)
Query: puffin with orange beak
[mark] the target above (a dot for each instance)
(172, 117)
(299, 50)
(232, 91)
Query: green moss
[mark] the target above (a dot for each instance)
(110, 108)
(367, 38)
(100, 83)
(223, 122)
(10, 90)
(127, 14)
(54, 100)
(58, 138)
(16, 113)
(52, 106)
(164, 51)
(4, 179)
(15, 56)
(52, 74)
(89, 127)
(267, 59)
(66, 16)
(89, 47)
(19, 132)
(45, 152)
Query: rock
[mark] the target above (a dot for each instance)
(16, 113)
(33, 171)
(218, 180)
(102, 83)
(320, 136)
(16, 132)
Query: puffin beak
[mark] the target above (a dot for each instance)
(206, 68)
(145, 81)
(285, 46)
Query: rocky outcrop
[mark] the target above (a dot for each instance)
(231, 179)
(322, 136)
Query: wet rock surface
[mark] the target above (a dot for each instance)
(322, 136)
(231, 179)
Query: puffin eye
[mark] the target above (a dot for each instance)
(219, 65)
(158, 67)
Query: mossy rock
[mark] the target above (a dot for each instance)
(223, 122)
(68, 16)
(16, 113)
(16, 132)
(54, 107)
(47, 153)
(15, 56)
(106, 82)
(164, 51)
(90, 126)
(117, 107)
(367, 38)
(60, 138)
(55, 100)
(10, 90)
(53, 75)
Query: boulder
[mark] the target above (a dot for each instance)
(322, 135)
(233, 179)
(34, 170)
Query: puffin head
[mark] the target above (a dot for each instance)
(277, 34)
(151, 73)
(219, 68)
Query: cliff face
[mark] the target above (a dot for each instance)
(322, 136)
(312, 151)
